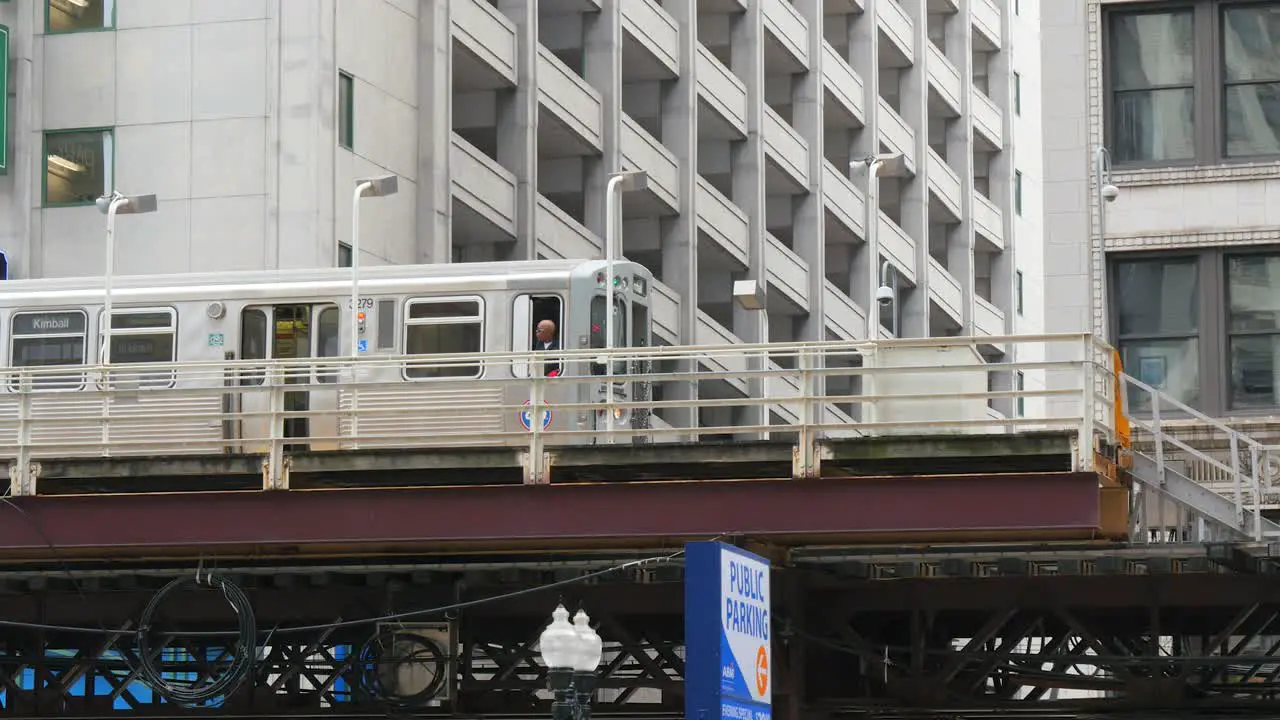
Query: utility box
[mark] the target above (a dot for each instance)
(944, 383)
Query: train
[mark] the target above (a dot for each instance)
(403, 312)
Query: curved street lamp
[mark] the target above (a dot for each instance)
(572, 652)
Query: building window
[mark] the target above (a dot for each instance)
(79, 15)
(346, 110)
(78, 166)
(1201, 327)
(1017, 192)
(1195, 83)
(1253, 330)
(344, 255)
(1158, 312)
(1020, 384)
(1251, 80)
(1017, 291)
(1017, 94)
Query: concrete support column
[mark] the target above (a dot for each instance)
(680, 232)
(809, 238)
(518, 126)
(806, 116)
(960, 157)
(305, 228)
(913, 306)
(602, 65)
(863, 42)
(747, 62)
(435, 133)
(1003, 167)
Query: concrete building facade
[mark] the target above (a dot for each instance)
(250, 119)
(1186, 281)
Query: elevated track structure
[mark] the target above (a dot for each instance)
(948, 538)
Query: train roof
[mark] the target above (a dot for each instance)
(488, 272)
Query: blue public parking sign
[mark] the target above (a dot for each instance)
(727, 629)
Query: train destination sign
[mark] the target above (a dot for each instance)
(727, 616)
(49, 323)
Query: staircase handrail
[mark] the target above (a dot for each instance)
(1258, 453)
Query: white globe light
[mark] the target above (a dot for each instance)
(590, 646)
(559, 643)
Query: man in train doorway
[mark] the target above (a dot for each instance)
(547, 342)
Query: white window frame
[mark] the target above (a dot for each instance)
(150, 380)
(409, 322)
(84, 349)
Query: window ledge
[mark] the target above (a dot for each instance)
(59, 206)
(77, 31)
(1195, 174)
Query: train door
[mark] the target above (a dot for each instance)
(599, 318)
(528, 313)
(639, 337)
(292, 332)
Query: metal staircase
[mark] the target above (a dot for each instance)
(1199, 479)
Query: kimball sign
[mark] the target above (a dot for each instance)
(727, 615)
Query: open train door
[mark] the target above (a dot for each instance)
(290, 332)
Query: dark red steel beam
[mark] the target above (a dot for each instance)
(318, 605)
(1034, 506)
(1096, 592)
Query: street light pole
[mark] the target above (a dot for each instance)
(111, 205)
(1106, 193)
(873, 164)
(618, 183)
(370, 187)
(890, 282)
(571, 652)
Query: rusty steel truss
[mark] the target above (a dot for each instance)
(468, 662)
(1195, 639)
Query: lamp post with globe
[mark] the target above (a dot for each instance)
(571, 652)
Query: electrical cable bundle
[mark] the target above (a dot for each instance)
(386, 654)
(219, 684)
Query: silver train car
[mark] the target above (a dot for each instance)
(419, 310)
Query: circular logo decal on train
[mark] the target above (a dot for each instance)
(526, 416)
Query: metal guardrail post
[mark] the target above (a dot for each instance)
(803, 454)
(1237, 491)
(536, 462)
(104, 382)
(21, 481)
(1256, 458)
(274, 475)
(1089, 390)
(354, 390)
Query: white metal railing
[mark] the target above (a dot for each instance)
(910, 386)
(1226, 462)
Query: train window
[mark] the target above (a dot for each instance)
(49, 339)
(386, 325)
(145, 336)
(327, 342)
(443, 327)
(253, 343)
